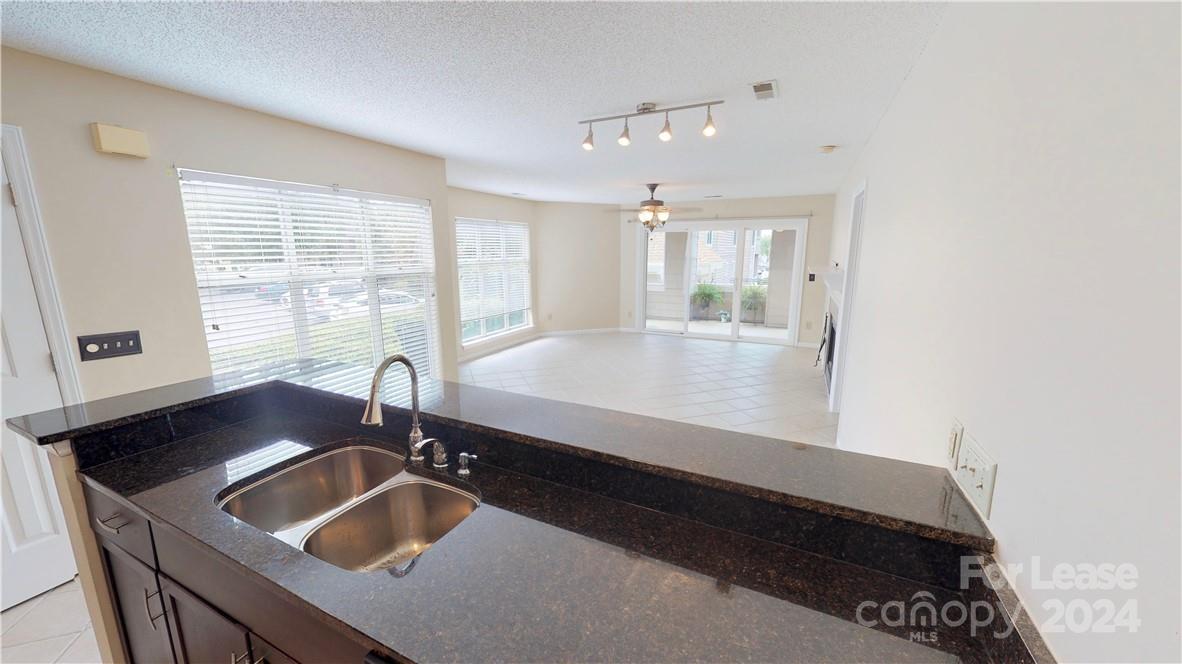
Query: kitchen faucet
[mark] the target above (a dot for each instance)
(373, 411)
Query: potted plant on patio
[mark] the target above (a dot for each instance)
(754, 298)
(706, 295)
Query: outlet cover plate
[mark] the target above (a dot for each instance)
(976, 472)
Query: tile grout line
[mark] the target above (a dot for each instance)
(70, 645)
(35, 601)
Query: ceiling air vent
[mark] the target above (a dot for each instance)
(764, 90)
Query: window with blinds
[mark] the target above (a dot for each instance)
(290, 272)
(493, 263)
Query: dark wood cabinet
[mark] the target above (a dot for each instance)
(265, 652)
(200, 633)
(178, 604)
(141, 610)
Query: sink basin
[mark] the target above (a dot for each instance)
(299, 495)
(354, 507)
(391, 527)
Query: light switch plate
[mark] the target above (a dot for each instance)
(955, 436)
(110, 344)
(976, 472)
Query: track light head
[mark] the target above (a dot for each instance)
(625, 138)
(589, 142)
(709, 130)
(666, 133)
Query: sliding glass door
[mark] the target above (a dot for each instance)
(767, 288)
(725, 279)
(714, 256)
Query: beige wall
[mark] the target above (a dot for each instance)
(578, 266)
(479, 205)
(115, 225)
(1020, 271)
(575, 262)
(820, 207)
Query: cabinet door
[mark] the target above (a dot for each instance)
(141, 610)
(200, 634)
(265, 652)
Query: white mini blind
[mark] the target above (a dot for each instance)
(493, 264)
(298, 272)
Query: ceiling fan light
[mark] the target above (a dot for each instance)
(666, 134)
(625, 138)
(709, 130)
(646, 215)
(663, 215)
(589, 142)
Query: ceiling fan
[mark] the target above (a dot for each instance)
(653, 213)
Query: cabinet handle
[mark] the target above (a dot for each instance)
(235, 658)
(148, 609)
(105, 524)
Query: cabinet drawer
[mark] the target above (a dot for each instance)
(116, 523)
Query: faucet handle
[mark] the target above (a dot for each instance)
(439, 458)
(464, 458)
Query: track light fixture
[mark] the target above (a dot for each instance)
(666, 133)
(625, 138)
(649, 108)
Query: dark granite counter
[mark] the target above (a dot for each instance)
(539, 572)
(896, 495)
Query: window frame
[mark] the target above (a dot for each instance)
(298, 282)
(528, 323)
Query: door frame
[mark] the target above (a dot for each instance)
(845, 315)
(28, 217)
(799, 224)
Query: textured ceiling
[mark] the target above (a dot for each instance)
(497, 88)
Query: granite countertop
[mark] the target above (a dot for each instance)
(539, 571)
(903, 496)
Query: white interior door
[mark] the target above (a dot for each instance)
(37, 554)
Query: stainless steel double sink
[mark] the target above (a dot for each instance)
(355, 507)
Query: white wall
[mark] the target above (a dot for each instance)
(1021, 272)
(812, 308)
(115, 225)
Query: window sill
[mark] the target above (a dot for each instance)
(475, 343)
(495, 343)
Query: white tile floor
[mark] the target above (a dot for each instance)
(51, 627)
(719, 328)
(755, 388)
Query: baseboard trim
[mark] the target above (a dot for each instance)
(571, 333)
(497, 345)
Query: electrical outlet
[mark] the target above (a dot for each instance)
(976, 472)
(954, 438)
